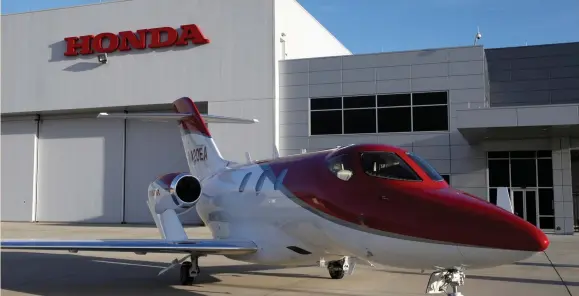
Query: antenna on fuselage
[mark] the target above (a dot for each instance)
(248, 157)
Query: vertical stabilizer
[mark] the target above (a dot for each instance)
(203, 156)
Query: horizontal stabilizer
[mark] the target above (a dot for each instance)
(201, 246)
(176, 116)
(504, 200)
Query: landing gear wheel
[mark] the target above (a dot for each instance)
(185, 274)
(336, 270)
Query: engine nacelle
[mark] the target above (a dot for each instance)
(175, 191)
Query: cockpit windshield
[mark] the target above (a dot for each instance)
(387, 165)
(428, 169)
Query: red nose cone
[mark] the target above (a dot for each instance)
(522, 235)
(488, 226)
(541, 241)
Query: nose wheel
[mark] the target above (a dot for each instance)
(189, 271)
(440, 281)
(339, 268)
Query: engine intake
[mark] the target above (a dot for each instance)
(176, 191)
(186, 188)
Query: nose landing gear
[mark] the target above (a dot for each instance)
(440, 281)
(339, 268)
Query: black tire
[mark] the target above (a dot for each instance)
(336, 271)
(184, 277)
(337, 274)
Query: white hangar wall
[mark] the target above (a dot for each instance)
(75, 168)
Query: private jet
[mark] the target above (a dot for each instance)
(363, 203)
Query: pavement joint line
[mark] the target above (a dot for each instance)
(558, 274)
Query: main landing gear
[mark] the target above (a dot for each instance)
(339, 268)
(189, 270)
(441, 280)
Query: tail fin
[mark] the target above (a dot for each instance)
(203, 156)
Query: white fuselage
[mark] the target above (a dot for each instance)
(274, 221)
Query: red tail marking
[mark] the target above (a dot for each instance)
(193, 123)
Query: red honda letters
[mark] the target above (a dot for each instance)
(128, 40)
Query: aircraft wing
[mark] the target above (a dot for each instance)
(139, 246)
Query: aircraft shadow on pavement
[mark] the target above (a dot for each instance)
(500, 279)
(548, 264)
(70, 274)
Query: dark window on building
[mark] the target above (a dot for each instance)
(325, 103)
(360, 102)
(545, 172)
(523, 154)
(326, 122)
(430, 118)
(426, 167)
(392, 120)
(430, 98)
(392, 113)
(544, 153)
(359, 121)
(547, 222)
(493, 196)
(498, 154)
(523, 173)
(387, 165)
(446, 178)
(394, 100)
(499, 173)
(546, 202)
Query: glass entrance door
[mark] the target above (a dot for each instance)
(525, 204)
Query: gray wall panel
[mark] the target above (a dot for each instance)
(154, 149)
(393, 86)
(18, 138)
(325, 64)
(534, 75)
(389, 73)
(358, 88)
(357, 75)
(80, 167)
(323, 77)
(429, 70)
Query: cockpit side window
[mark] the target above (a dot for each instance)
(340, 167)
(428, 169)
(387, 165)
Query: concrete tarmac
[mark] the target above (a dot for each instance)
(555, 273)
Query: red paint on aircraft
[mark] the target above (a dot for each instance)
(424, 209)
(194, 123)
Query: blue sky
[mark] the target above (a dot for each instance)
(366, 26)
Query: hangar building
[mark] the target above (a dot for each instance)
(484, 118)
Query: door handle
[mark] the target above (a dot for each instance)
(384, 197)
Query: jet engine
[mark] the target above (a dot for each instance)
(176, 191)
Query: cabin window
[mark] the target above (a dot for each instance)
(426, 167)
(387, 165)
(341, 167)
